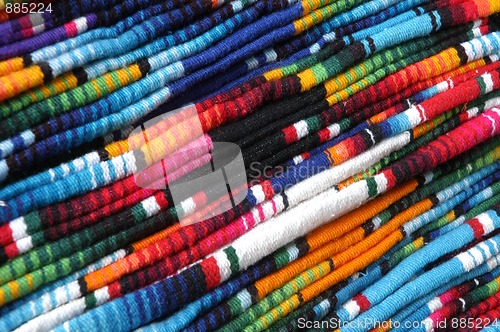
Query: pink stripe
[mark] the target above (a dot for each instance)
(71, 29)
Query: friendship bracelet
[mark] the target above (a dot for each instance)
(336, 260)
(102, 86)
(56, 66)
(334, 276)
(300, 129)
(94, 172)
(311, 244)
(162, 98)
(331, 231)
(66, 62)
(403, 315)
(277, 56)
(87, 158)
(321, 309)
(73, 28)
(80, 76)
(460, 262)
(205, 264)
(34, 24)
(369, 136)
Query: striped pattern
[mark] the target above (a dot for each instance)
(369, 138)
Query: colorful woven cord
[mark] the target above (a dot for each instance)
(250, 165)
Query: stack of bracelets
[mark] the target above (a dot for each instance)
(363, 194)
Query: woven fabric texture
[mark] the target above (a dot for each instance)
(367, 136)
